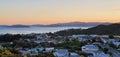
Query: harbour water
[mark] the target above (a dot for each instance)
(4, 30)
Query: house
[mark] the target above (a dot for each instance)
(65, 53)
(108, 40)
(53, 41)
(81, 36)
(116, 43)
(89, 48)
(104, 40)
(24, 51)
(74, 55)
(61, 53)
(102, 36)
(33, 51)
(42, 36)
(38, 49)
(39, 41)
(49, 49)
(100, 54)
(94, 35)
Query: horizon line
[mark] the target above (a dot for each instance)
(59, 23)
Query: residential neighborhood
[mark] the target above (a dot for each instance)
(48, 45)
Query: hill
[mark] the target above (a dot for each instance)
(100, 29)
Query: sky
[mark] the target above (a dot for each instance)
(58, 11)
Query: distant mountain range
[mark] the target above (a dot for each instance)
(74, 24)
(100, 29)
(70, 24)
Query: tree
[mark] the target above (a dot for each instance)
(111, 36)
(105, 50)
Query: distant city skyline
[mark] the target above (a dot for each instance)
(58, 11)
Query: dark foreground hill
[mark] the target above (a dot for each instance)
(100, 29)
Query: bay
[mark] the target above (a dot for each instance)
(4, 30)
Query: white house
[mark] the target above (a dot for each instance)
(108, 40)
(49, 49)
(79, 36)
(24, 52)
(116, 43)
(74, 55)
(100, 54)
(65, 53)
(94, 35)
(31, 52)
(61, 53)
(104, 40)
(42, 36)
(89, 48)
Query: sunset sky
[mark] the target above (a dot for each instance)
(58, 11)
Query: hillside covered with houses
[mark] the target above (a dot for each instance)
(52, 45)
